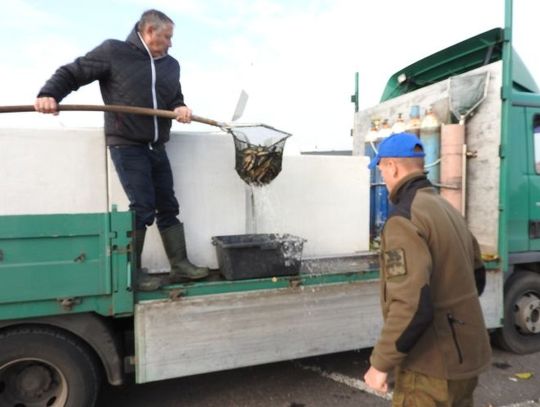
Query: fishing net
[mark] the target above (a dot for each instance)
(259, 152)
(466, 93)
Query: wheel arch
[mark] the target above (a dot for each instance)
(98, 333)
(524, 261)
(517, 270)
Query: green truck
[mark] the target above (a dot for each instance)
(71, 318)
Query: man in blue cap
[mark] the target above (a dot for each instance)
(434, 336)
(396, 147)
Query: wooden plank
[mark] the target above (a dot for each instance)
(212, 333)
(219, 332)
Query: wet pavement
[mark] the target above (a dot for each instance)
(330, 380)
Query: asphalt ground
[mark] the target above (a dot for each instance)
(330, 380)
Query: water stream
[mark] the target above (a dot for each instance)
(251, 216)
(262, 217)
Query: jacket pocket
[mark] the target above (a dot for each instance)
(452, 322)
(462, 338)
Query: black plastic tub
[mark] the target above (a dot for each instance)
(258, 255)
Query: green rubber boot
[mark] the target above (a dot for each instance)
(144, 281)
(175, 246)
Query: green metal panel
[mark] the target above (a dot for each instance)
(516, 177)
(533, 169)
(121, 227)
(523, 80)
(518, 181)
(53, 256)
(32, 309)
(222, 287)
(472, 53)
(45, 259)
(459, 58)
(505, 177)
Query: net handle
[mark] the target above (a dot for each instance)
(166, 114)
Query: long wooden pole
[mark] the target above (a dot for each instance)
(167, 114)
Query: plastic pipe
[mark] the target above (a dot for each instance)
(453, 165)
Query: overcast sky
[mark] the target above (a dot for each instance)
(295, 58)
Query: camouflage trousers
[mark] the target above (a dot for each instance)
(414, 389)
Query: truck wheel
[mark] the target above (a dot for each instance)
(521, 330)
(42, 366)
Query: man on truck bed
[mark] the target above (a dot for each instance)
(137, 72)
(434, 334)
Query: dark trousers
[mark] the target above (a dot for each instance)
(147, 179)
(414, 389)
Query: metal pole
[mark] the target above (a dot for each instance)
(506, 96)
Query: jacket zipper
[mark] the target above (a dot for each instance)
(154, 97)
(451, 322)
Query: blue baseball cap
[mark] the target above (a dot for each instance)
(398, 145)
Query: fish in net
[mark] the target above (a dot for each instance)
(258, 153)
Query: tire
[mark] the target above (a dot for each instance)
(521, 329)
(41, 366)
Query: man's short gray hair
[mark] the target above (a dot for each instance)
(154, 18)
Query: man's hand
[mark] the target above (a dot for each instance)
(46, 104)
(376, 380)
(183, 114)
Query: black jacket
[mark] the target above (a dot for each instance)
(124, 72)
